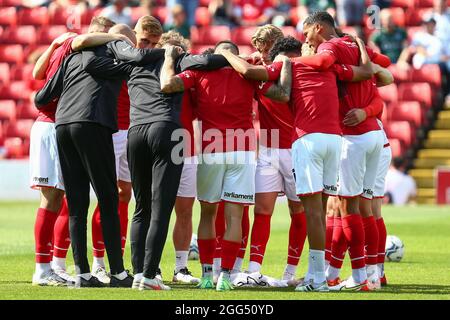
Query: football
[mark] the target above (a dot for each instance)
(395, 249)
(193, 248)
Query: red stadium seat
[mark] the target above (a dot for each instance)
(389, 93)
(16, 90)
(414, 17)
(420, 91)
(22, 72)
(243, 35)
(424, 3)
(198, 49)
(27, 110)
(2, 136)
(25, 35)
(66, 17)
(12, 3)
(8, 16)
(210, 34)
(8, 110)
(14, 148)
(406, 111)
(11, 53)
(401, 130)
(202, 16)
(137, 12)
(403, 3)
(33, 16)
(21, 128)
(48, 34)
(428, 73)
(4, 73)
(396, 147)
(290, 31)
(161, 13)
(246, 50)
(400, 75)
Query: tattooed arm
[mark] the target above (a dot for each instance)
(170, 82)
(281, 90)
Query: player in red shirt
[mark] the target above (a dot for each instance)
(226, 120)
(312, 98)
(274, 168)
(362, 144)
(52, 216)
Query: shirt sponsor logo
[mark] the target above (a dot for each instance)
(238, 196)
(40, 180)
(368, 191)
(330, 188)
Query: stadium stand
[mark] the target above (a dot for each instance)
(408, 102)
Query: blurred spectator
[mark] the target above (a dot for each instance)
(400, 186)
(148, 6)
(189, 7)
(180, 23)
(222, 13)
(119, 12)
(318, 5)
(350, 12)
(253, 12)
(391, 39)
(441, 15)
(305, 7)
(382, 3)
(282, 12)
(35, 3)
(425, 47)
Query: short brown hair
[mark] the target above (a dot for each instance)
(267, 34)
(150, 24)
(101, 21)
(174, 38)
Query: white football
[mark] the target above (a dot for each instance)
(395, 249)
(193, 248)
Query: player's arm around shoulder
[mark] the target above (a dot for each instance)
(249, 71)
(281, 90)
(170, 82)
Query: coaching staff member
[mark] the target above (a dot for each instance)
(155, 177)
(86, 118)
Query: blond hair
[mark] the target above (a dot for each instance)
(150, 24)
(173, 38)
(100, 22)
(267, 34)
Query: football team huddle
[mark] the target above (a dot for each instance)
(133, 111)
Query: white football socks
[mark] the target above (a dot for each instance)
(59, 263)
(254, 267)
(42, 268)
(318, 261)
(181, 259)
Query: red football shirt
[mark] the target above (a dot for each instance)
(351, 94)
(224, 101)
(47, 113)
(274, 115)
(186, 117)
(123, 108)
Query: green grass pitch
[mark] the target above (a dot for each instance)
(422, 274)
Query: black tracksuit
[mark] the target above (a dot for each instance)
(155, 176)
(86, 118)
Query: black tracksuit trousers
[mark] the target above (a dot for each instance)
(155, 177)
(86, 154)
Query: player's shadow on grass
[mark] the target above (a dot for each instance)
(416, 289)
